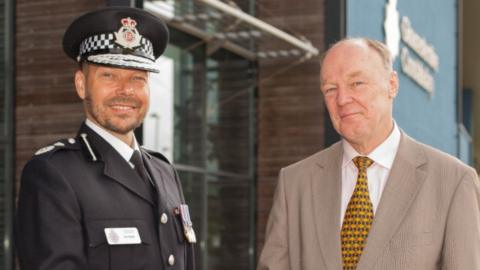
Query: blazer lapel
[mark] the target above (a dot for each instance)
(326, 194)
(116, 168)
(406, 177)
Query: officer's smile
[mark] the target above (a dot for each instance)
(122, 108)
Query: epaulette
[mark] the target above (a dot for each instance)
(156, 154)
(64, 144)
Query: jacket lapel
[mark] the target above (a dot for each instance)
(406, 177)
(115, 167)
(156, 176)
(326, 194)
(162, 174)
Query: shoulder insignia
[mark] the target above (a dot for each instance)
(61, 144)
(44, 150)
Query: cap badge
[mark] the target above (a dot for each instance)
(127, 36)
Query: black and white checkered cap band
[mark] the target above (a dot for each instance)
(106, 41)
(124, 60)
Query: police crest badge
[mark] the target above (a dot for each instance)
(127, 36)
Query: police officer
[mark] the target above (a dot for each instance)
(99, 200)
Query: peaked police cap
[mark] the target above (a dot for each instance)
(117, 36)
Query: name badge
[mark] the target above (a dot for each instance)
(122, 236)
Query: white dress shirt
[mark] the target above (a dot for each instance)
(121, 147)
(377, 173)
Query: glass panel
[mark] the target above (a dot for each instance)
(3, 202)
(189, 104)
(2, 69)
(228, 112)
(194, 190)
(228, 223)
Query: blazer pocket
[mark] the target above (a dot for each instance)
(102, 255)
(412, 240)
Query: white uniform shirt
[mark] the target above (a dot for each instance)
(377, 173)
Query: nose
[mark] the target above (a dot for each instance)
(343, 96)
(125, 88)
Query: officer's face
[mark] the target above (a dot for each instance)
(116, 99)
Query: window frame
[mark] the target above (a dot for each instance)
(7, 136)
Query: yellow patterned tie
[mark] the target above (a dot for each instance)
(358, 217)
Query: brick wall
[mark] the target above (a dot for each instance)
(290, 104)
(47, 107)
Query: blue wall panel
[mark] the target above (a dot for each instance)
(428, 118)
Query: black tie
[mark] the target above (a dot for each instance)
(137, 161)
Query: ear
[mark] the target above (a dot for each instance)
(80, 83)
(393, 85)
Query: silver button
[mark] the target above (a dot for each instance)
(171, 260)
(164, 218)
(71, 140)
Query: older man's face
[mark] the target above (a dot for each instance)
(116, 99)
(359, 92)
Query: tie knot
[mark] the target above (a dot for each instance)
(362, 162)
(136, 159)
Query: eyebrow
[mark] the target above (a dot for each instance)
(323, 83)
(349, 76)
(355, 74)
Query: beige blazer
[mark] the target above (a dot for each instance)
(428, 216)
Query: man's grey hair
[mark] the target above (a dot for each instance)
(379, 47)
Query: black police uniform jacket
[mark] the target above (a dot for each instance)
(67, 199)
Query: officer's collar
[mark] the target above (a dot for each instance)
(120, 146)
(94, 146)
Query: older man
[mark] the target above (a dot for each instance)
(99, 201)
(377, 199)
